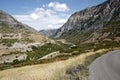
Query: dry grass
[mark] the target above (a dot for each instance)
(37, 37)
(50, 71)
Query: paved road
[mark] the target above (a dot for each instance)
(106, 67)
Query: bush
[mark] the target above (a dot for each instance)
(16, 61)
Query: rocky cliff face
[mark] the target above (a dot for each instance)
(90, 20)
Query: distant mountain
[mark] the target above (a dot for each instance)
(48, 33)
(93, 24)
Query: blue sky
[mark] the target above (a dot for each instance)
(44, 14)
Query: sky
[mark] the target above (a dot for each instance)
(44, 14)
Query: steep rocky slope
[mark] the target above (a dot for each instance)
(93, 24)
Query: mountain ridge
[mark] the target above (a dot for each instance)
(90, 20)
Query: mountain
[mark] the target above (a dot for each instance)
(17, 38)
(11, 22)
(48, 33)
(93, 24)
(10, 28)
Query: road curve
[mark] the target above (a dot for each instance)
(106, 67)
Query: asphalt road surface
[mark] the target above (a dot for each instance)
(106, 67)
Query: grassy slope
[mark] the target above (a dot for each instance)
(52, 71)
(27, 36)
(38, 52)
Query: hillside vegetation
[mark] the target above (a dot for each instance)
(73, 68)
(50, 71)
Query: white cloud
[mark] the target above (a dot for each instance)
(44, 18)
(58, 7)
(34, 16)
